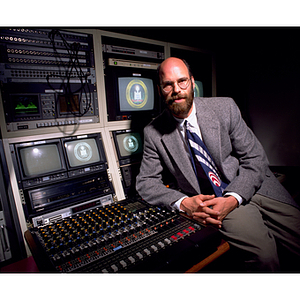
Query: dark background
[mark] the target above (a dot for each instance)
(259, 68)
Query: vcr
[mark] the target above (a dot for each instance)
(51, 198)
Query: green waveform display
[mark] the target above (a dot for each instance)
(29, 109)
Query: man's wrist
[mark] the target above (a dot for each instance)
(236, 196)
(177, 204)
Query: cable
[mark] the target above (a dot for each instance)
(68, 71)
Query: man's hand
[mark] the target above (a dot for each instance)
(196, 207)
(209, 210)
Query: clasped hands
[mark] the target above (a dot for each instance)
(209, 209)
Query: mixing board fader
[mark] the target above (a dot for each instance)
(129, 237)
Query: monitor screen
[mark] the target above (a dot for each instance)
(69, 104)
(40, 159)
(82, 152)
(25, 105)
(135, 94)
(129, 143)
(198, 91)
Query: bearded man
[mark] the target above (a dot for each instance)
(237, 193)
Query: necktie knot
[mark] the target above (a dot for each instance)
(188, 126)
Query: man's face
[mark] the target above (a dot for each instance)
(178, 100)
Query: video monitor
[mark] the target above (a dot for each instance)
(128, 144)
(82, 152)
(198, 91)
(131, 93)
(135, 94)
(40, 159)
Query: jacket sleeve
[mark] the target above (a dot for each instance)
(246, 161)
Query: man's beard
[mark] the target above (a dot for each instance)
(181, 109)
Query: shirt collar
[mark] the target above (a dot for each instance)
(192, 118)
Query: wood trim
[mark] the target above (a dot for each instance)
(221, 249)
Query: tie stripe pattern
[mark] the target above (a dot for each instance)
(206, 161)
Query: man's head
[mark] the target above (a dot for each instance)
(176, 86)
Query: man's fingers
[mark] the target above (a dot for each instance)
(206, 197)
(201, 215)
(208, 209)
(208, 220)
(209, 202)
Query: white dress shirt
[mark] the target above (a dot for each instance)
(192, 119)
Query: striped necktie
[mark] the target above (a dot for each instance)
(202, 155)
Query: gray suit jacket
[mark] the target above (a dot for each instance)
(166, 173)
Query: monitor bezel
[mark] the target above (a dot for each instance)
(113, 73)
(20, 146)
(99, 143)
(115, 133)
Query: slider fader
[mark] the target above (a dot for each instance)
(129, 236)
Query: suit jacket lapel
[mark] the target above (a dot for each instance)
(173, 143)
(210, 130)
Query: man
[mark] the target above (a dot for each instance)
(254, 212)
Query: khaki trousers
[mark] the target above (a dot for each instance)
(259, 229)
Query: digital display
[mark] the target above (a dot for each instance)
(82, 152)
(25, 104)
(68, 103)
(40, 159)
(85, 206)
(129, 144)
(135, 94)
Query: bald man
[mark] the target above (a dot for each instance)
(253, 211)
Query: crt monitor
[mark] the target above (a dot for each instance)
(128, 144)
(135, 94)
(131, 93)
(83, 151)
(40, 158)
(198, 91)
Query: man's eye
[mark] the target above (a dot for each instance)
(166, 85)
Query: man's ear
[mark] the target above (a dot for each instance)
(159, 90)
(193, 82)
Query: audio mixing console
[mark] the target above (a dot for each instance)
(129, 236)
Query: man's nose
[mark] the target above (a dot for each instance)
(176, 88)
